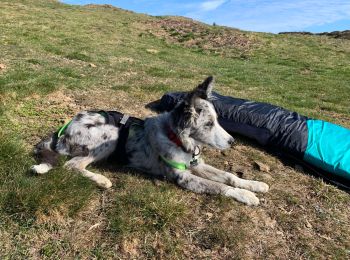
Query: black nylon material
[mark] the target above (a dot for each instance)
(113, 118)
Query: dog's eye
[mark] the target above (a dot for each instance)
(209, 124)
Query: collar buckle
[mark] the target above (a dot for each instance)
(194, 162)
(195, 156)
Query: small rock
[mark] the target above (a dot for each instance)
(2, 66)
(262, 167)
(92, 65)
(225, 163)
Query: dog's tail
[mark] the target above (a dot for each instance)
(46, 154)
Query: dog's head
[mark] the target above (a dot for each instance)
(195, 120)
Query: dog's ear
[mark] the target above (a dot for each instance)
(183, 114)
(204, 89)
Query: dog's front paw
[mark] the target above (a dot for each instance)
(258, 186)
(245, 196)
(41, 168)
(103, 182)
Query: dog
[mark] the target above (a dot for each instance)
(167, 145)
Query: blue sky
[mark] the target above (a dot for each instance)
(253, 15)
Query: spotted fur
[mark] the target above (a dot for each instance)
(194, 121)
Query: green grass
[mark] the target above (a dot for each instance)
(164, 211)
(48, 48)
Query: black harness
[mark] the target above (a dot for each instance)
(123, 122)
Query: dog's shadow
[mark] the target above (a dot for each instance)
(110, 165)
(117, 174)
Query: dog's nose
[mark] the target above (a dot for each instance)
(231, 141)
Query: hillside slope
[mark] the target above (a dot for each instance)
(57, 59)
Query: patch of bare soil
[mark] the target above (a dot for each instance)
(107, 6)
(113, 100)
(193, 34)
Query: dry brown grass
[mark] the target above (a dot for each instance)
(48, 49)
(192, 34)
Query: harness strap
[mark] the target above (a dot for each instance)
(120, 152)
(124, 122)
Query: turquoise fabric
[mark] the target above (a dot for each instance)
(328, 147)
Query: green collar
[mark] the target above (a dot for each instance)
(173, 164)
(182, 166)
(63, 128)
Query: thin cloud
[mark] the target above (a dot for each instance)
(211, 5)
(276, 16)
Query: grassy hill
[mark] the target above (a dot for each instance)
(57, 59)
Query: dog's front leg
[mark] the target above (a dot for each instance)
(79, 163)
(197, 184)
(209, 172)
